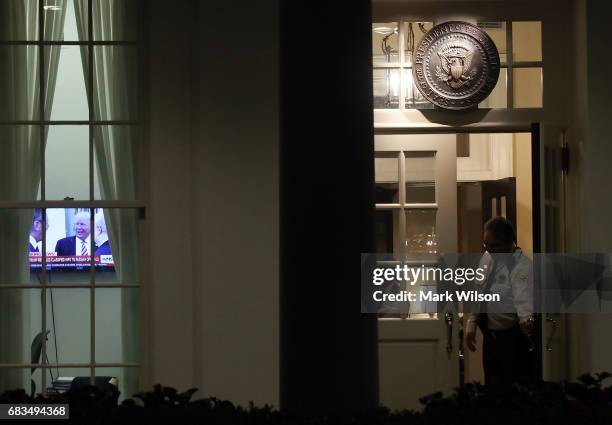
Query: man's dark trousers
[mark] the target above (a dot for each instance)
(507, 356)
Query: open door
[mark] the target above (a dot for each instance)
(424, 198)
(416, 211)
(478, 202)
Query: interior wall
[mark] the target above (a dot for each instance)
(470, 216)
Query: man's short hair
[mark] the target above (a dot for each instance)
(502, 229)
(82, 215)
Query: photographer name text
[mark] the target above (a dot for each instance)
(433, 296)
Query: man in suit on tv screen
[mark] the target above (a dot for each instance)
(36, 231)
(80, 244)
(101, 236)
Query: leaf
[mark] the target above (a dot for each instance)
(587, 379)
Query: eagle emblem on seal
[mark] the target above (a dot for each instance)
(454, 68)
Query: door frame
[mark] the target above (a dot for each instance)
(534, 128)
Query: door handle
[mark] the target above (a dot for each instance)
(552, 333)
(448, 319)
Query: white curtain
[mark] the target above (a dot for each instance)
(20, 168)
(116, 155)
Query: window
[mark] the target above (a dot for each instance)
(405, 184)
(393, 44)
(69, 183)
(406, 209)
(520, 83)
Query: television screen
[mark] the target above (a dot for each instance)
(69, 237)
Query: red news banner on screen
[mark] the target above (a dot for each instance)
(77, 261)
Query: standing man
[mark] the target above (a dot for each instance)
(80, 244)
(507, 328)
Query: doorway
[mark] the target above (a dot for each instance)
(433, 194)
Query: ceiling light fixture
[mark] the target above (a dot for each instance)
(385, 30)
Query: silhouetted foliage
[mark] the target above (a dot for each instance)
(586, 401)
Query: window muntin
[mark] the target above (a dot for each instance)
(405, 183)
(520, 48)
(406, 208)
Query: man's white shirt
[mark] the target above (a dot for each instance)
(36, 244)
(515, 285)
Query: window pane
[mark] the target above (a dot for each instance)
(497, 32)
(385, 227)
(385, 44)
(421, 231)
(414, 33)
(527, 87)
(11, 378)
(116, 160)
(117, 239)
(73, 17)
(117, 311)
(421, 193)
(414, 98)
(67, 162)
(527, 41)
(420, 177)
(70, 95)
(115, 20)
(115, 86)
(16, 227)
(69, 243)
(19, 20)
(20, 322)
(19, 162)
(19, 83)
(499, 96)
(72, 336)
(386, 88)
(386, 172)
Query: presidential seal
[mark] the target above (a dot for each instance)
(456, 65)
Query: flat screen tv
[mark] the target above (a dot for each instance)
(69, 237)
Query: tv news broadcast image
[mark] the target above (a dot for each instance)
(71, 240)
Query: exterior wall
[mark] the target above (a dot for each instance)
(589, 197)
(168, 292)
(212, 291)
(212, 319)
(235, 193)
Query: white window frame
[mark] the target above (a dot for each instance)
(90, 204)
